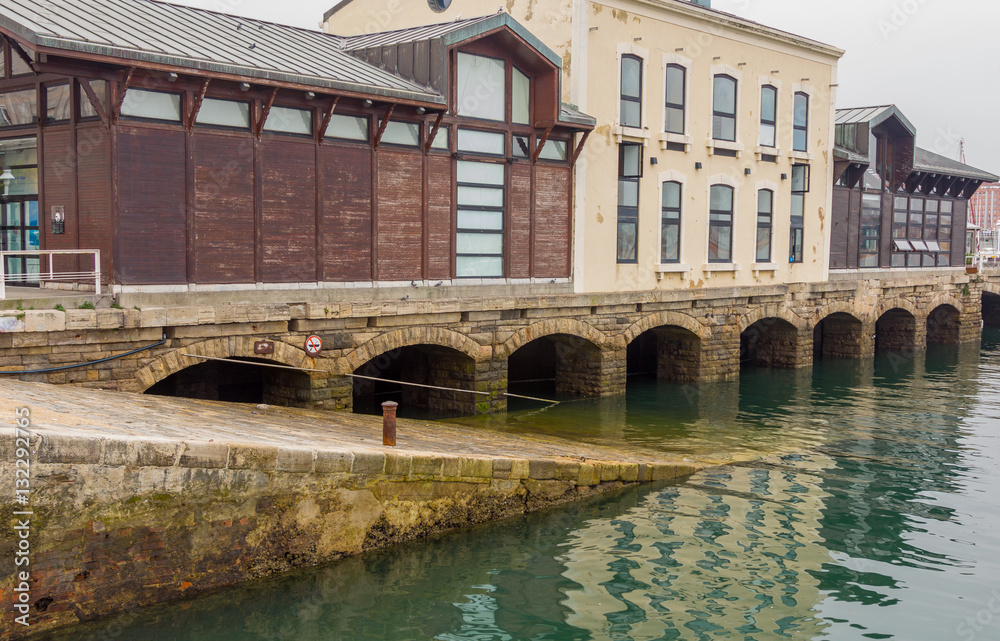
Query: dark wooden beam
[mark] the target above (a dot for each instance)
(579, 148)
(382, 125)
(198, 100)
(929, 183)
(971, 188)
(541, 143)
(958, 187)
(265, 112)
(21, 53)
(913, 181)
(433, 132)
(95, 102)
(122, 90)
(327, 115)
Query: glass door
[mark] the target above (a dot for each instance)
(19, 231)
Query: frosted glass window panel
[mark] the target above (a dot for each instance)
(476, 243)
(57, 103)
(406, 134)
(480, 196)
(724, 108)
(671, 195)
(480, 142)
(480, 173)
(767, 135)
(482, 87)
(441, 139)
(479, 266)
(18, 67)
(25, 182)
(12, 215)
(670, 242)
(492, 220)
(628, 231)
(675, 85)
(628, 193)
(287, 120)
(520, 98)
(554, 150)
(18, 108)
(722, 198)
(764, 199)
(3, 60)
(100, 88)
(768, 104)
(763, 244)
(224, 113)
(154, 105)
(719, 243)
(347, 128)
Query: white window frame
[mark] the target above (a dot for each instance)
(713, 144)
(632, 133)
(668, 59)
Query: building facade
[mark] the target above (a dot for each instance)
(984, 207)
(201, 151)
(709, 164)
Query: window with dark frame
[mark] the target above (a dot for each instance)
(86, 108)
(18, 67)
(768, 116)
(915, 233)
(765, 212)
(800, 124)
(871, 220)
(675, 100)
(18, 108)
(900, 245)
(58, 102)
(630, 105)
(944, 232)
(629, 173)
(800, 186)
(720, 224)
(724, 108)
(3, 59)
(479, 237)
(670, 223)
(152, 105)
(224, 113)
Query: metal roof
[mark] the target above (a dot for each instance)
(874, 116)
(930, 162)
(158, 32)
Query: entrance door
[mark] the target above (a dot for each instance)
(18, 232)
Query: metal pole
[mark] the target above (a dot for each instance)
(389, 423)
(3, 277)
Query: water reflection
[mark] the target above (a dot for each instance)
(876, 518)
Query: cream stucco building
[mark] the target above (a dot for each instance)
(711, 162)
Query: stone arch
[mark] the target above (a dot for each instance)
(548, 327)
(990, 287)
(851, 308)
(896, 303)
(990, 301)
(896, 327)
(228, 347)
(944, 325)
(661, 319)
(839, 333)
(411, 336)
(668, 344)
(771, 311)
(946, 298)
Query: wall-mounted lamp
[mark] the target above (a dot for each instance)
(784, 176)
(244, 86)
(697, 165)
(653, 160)
(367, 103)
(746, 172)
(421, 110)
(172, 77)
(6, 177)
(310, 95)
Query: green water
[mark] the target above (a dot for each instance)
(870, 512)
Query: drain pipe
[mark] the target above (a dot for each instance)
(64, 367)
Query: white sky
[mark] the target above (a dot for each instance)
(937, 60)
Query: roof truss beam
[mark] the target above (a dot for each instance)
(95, 102)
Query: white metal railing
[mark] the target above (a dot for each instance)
(49, 275)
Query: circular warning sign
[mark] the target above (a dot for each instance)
(314, 345)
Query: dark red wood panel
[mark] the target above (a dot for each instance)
(838, 228)
(400, 216)
(288, 179)
(93, 146)
(439, 218)
(347, 213)
(853, 228)
(57, 183)
(959, 219)
(152, 230)
(519, 229)
(223, 209)
(552, 222)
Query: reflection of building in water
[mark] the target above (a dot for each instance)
(735, 555)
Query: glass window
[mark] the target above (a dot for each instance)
(348, 127)
(629, 171)
(768, 116)
(57, 103)
(100, 88)
(479, 237)
(522, 147)
(3, 61)
(720, 225)
(520, 101)
(224, 113)
(800, 124)
(631, 97)
(288, 120)
(800, 185)
(401, 133)
(871, 216)
(481, 142)
(916, 229)
(555, 150)
(18, 67)
(482, 90)
(674, 116)
(899, 214)
(724, 109)
(154, 105)
(765, 211)
(944, 231)
(441, 138)
(18, 108)
(931, 220)
(670, 223)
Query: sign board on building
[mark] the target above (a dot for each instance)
(314, 345)
(263, 347)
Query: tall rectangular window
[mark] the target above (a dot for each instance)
(724, 108)
(670, 223)
(871, 216)
(480, 235)
(720, 224)
(482, 87)
(765, 211)
(675, 100)
(57, 103)
(630, 109)
(931, 233)
(768, 116)
(800, 185)
(900, 245)
(629, 172)
(944, 233)
(520, 98)
(800, 124)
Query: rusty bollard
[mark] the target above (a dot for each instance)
(389, 423)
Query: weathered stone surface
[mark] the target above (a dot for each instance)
(334, 462)
(209, 455)
(252, 457)
(63, 448)
(368, 463)
(294, 460)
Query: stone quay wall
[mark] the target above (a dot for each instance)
(703, 334)
(120, 523)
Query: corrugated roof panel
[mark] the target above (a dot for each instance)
(859, 114)
(411, 34)
(929, 161)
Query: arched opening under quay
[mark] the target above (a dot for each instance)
(944, 326)
(666, 353)
(896, 331)
(238, 380)
(556, 365)
(839, 335)
(425, 365)
(770, 342)
(991, 310)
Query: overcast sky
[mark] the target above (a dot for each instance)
(937, 60)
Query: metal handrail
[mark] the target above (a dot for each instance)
(51, 274)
